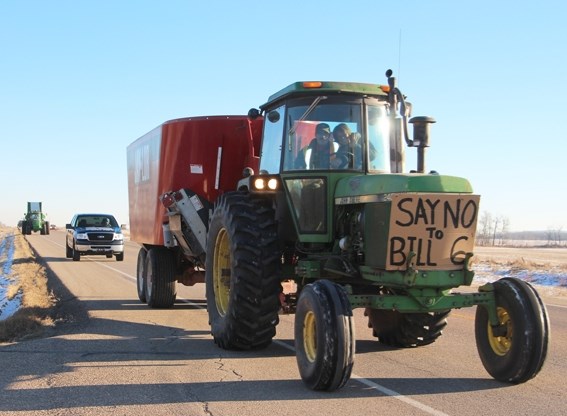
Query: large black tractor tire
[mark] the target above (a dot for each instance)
(517, 354)
(161, 289)
(406, 330)
(324, 336)
(46, 227)
(140, 274)
(243, 272)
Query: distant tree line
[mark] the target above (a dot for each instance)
(493, 230)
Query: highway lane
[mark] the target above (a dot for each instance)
(117, 356)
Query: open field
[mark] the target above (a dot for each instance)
(556, 257)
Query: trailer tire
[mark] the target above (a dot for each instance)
(243, 272)
(518, 354)
(160, 278)
(406, 330)
(140, 274)
(324, 336)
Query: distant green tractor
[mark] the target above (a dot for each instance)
(34, 220)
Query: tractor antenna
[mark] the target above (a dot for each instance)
(399, 54)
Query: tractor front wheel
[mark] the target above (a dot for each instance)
(324, 336)
(516, 350)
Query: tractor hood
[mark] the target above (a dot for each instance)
(365, 185)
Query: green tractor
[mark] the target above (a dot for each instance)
(361, 233)
(35, 220)
(325, 219)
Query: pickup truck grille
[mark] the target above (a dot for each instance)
(98, 236)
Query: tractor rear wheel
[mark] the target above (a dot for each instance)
(140, 274)
(406, 330)
(517, 353)
(324, 336)
(160, 278)
(243, 272)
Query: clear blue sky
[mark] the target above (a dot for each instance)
(80, 80)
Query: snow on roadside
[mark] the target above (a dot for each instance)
(555, 277)
(7, 306)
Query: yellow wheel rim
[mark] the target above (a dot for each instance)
(221, 272)
(310, 336)
(501, 345)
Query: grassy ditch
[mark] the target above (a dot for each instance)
(29, 279)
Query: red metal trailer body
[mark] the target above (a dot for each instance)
(204, 154)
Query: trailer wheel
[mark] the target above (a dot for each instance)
(160, 278)
(243, 272)
(324, 336)
(517, 354)
(406, 330)
(140, 274)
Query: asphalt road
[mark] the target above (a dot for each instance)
(117, 356)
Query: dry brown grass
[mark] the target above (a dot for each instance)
(29, 278)
(523, 264)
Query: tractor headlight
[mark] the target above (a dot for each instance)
(265, 183)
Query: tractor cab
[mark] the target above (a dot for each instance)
(317, 133)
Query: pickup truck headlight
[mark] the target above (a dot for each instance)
(82, 236)
(118, 237)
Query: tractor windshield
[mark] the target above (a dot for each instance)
(338, 133)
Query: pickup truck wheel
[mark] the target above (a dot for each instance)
(324, 336)
(160, 278)
(140, 274)
(76, 254)
(120, 257)
(68, 251)
(406, 330)
(516, 352)
(243, 272)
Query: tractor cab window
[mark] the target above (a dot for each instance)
(336, 133)
(378, 128)
(272, 140)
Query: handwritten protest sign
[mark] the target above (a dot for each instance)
(438, 228)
